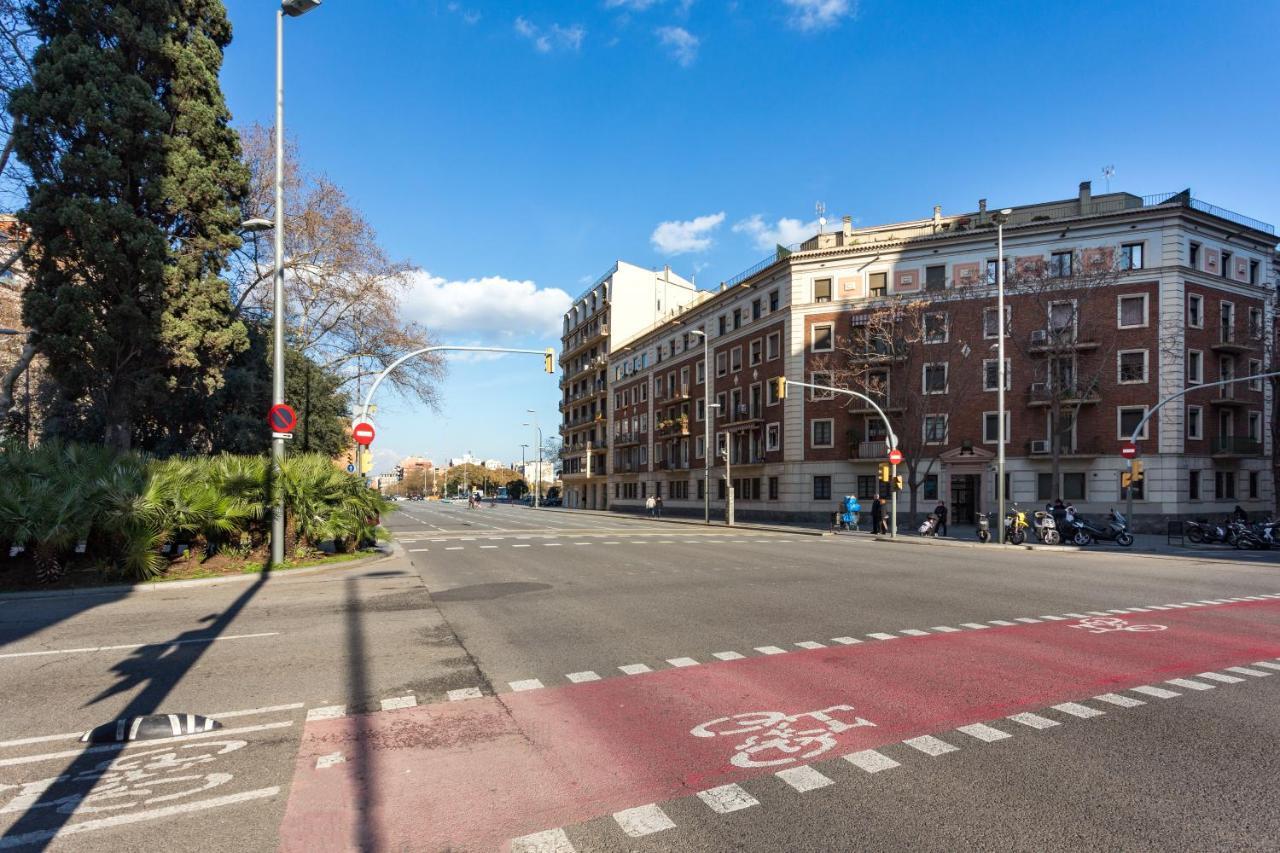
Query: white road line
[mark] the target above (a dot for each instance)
(846, 641)
(642, 821)
(1027, 619)
(984, 732)
(220, 715)
(1099, 612)
(328, 712)
(727, 798)
(682, 661)
(635, 668)
(519, 546)
(1219, 677)
(581, 543)
(1189, 684)
(1075, 615)
(770, 650)
(930, 745)
(326, 761)
(1266, 663)
(547, 841)
(977, 626)
(418, 550)
(551, 544)
(1118, 612)
(116, 747)
(464, 693)
(580, 677)
(871, 761)
(399, 702)
(810, 644)
(1158, 692)
(1139, 609)
(803, 778)
(41, 835)
(139, 645)
(1075, 709)
(1054, 618)
(944, 629)
(1035, 721)
(1119, 701)
(1244, 670)
(728, 655)
(1002, 622)
(914, 632)
(526, 684)
(883, 636)
(487, 547)
(610, 543)
(455, 548)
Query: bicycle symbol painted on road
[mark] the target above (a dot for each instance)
(785, 738)
(1107, 624)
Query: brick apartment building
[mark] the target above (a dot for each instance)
(1113, 303)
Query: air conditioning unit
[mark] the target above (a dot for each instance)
(1040, 445)
(1041, 388)
(1039, 337)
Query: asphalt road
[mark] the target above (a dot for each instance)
(570, 681)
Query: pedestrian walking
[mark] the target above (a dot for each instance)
(657, 506)
(877, 515)
(941, 512)
(651, 505)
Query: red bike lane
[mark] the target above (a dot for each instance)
(474, 774)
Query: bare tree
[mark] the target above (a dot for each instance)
(344, 292)
(909, 358)
(1076, 348)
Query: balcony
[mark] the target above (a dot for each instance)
(673, 428)
(880, 352)
(1232, 445)
(1229, 343)
(1226, 396)
(597, 363)
(1044, 447)
(681, 393)
(1045, 393)
(1059, 341)
(628, 439)
(742, 417)
(874, 449)
(586, 340)
(858, 406)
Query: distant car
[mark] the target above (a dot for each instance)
(550, 501)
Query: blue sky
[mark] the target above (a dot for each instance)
(514, 150)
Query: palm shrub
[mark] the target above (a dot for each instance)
(327, 504)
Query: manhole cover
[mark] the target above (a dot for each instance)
(150, 727)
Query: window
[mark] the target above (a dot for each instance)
(823, 378)
(773, 437)
(756, 352)
(773, 300)
(773, 488)
(700, 410)
(1193, 485)
(735, 359)
(1227, 320)
(1255, 367)
(700, 372)
(1195, 311)
(878, 284)
(1224, 485)
(722, 363)
(822, 290)
(1253, 279)
(1062, 320)
(1193, 255)
(820, 432)
(935, 328)
(822, 488)
(700, 447)
(867, 487)
(1255, 323)
(1253, 484)
(757, 308)
(991, 426)
(990, 327)
(1132, 366)
(993, 270)
(991, 374)
(935, 378)
(724, 324)
(1060, 265)
(720, 489)
(773, 346)
(1132, 311)
(821, 340)
(737, 318)
(644, 392)
(935, 278)
(1255, 426)
(1127, 418)
(1195, 367)
(1044, 487)
(721, 401)
(930, 487)
(1225, 269)
(770, 395)
(1195, 422)
(935, 429)
(1073, 486)
(1131, 256)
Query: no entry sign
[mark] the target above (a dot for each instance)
(282, 418)
(363, 433)
(895, 457)
(1129, 451)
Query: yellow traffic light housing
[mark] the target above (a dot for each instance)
(1135, 467)
(550, 356)
(779, 387)
(886, 473)
(1126, 479)
(897, 483)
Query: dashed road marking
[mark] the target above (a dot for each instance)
(1244, 670)
(1119, 701)
(399, 702)
(464, 693)
(984, 732)
(519, 546)
(526, 684)
(1268, 664)
(682, 662)
(803, 778)
(1002, 622)
(580, 677)
(930, 745)
(418, 550)
(914, 632)
(728, 655)
(1054, 618)
(1027, 619)
(1035, 721)
(871, 761)
(770, 650)
(326, 761)
(643, 820)
(635, 668)
(1189, 684)
(727, 798)
(944, 629)
(1158, 692)
(846, 641)
(974, 625)
(547, 841)
(1217, 676)
(1075, 709)
(328, 712)
(810, 644)
(883, 636)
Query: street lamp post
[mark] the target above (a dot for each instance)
(1001, 218)
(706, 420)
(538, 476)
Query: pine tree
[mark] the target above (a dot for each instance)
(134, 205)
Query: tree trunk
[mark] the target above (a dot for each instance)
(1055, 447)
(48, 567)
(1275, 440)
(10, 378)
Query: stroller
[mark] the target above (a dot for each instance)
(850, 511)
(929, 527)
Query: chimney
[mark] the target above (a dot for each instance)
(982, 206)
(848, 226)
(937, 217)
(1086, 196)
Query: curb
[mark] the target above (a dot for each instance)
(799, 531)
(1190, 555)
(161, 586)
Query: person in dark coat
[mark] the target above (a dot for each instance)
(941, 512)
(877, 516)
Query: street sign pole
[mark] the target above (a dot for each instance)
(893, 502)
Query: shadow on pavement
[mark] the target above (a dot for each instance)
(357, 691)
(489, 591)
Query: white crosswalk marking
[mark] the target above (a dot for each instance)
(1268, 664)
(1244, 670)
(644, 820)
(328, 712)
(810, 644)
(1158, 692)
(977, 626)
(845, 641)
(682, 661)
(944, 629)
(984, 732)
(1054, 618)
(399, 702)
(1035, 721)
(883, 636)
(549, 841)
(1026, 619)
(803, 778)
(930, 745)
(770, 650)
(1189, 684)
(914, 632)
(1219, 677)
(635, 668)
(727, 798)
(871, 761)
(464, 693)
(526, 684)
(580, 677)
(1119, 701)
(728, 655)
(1002, 622)
(1075, 709)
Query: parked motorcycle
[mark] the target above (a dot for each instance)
(984, 528)
(1046, 528)
(1073, 530)
(1254, 537)
(1204, 532)
(1116, 530)
(1015, 526)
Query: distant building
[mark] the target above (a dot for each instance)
(493, 464)
(464, 459)
(410, 464)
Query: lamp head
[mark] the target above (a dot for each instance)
(257, 224)
(295, 8)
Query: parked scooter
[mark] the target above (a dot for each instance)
(1046, 528)
(1015, 526)
(1116, 530)
(1203, 532)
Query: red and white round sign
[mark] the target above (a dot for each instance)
(895, 457)
(363, 433)
(1129, 451)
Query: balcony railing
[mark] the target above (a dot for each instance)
(1047, 392)
(873, 449)
(1237, 445)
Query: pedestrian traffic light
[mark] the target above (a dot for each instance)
(1135, 466)
(551, 360)
(779, 387)
(897, 483)
(886, 473)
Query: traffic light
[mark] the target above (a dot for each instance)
(1135, 466)
(886, 473)
(897, 483)
(550, 356)
(1126, 479)
(366, 463)
(779, 387)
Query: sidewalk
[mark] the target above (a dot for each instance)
(796, 529)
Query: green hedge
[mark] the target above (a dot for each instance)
(140, 510)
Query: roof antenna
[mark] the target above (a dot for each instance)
(821, 210)
(1108, 172)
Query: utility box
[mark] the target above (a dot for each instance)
(728, 508)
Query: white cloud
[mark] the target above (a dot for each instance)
(633, 5)
(785, 231)
(552, 37)
(682, 44)
(812, 15)
(469, 16)
(693, 235)
(485, 309)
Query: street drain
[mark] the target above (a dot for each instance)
(150, 727)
